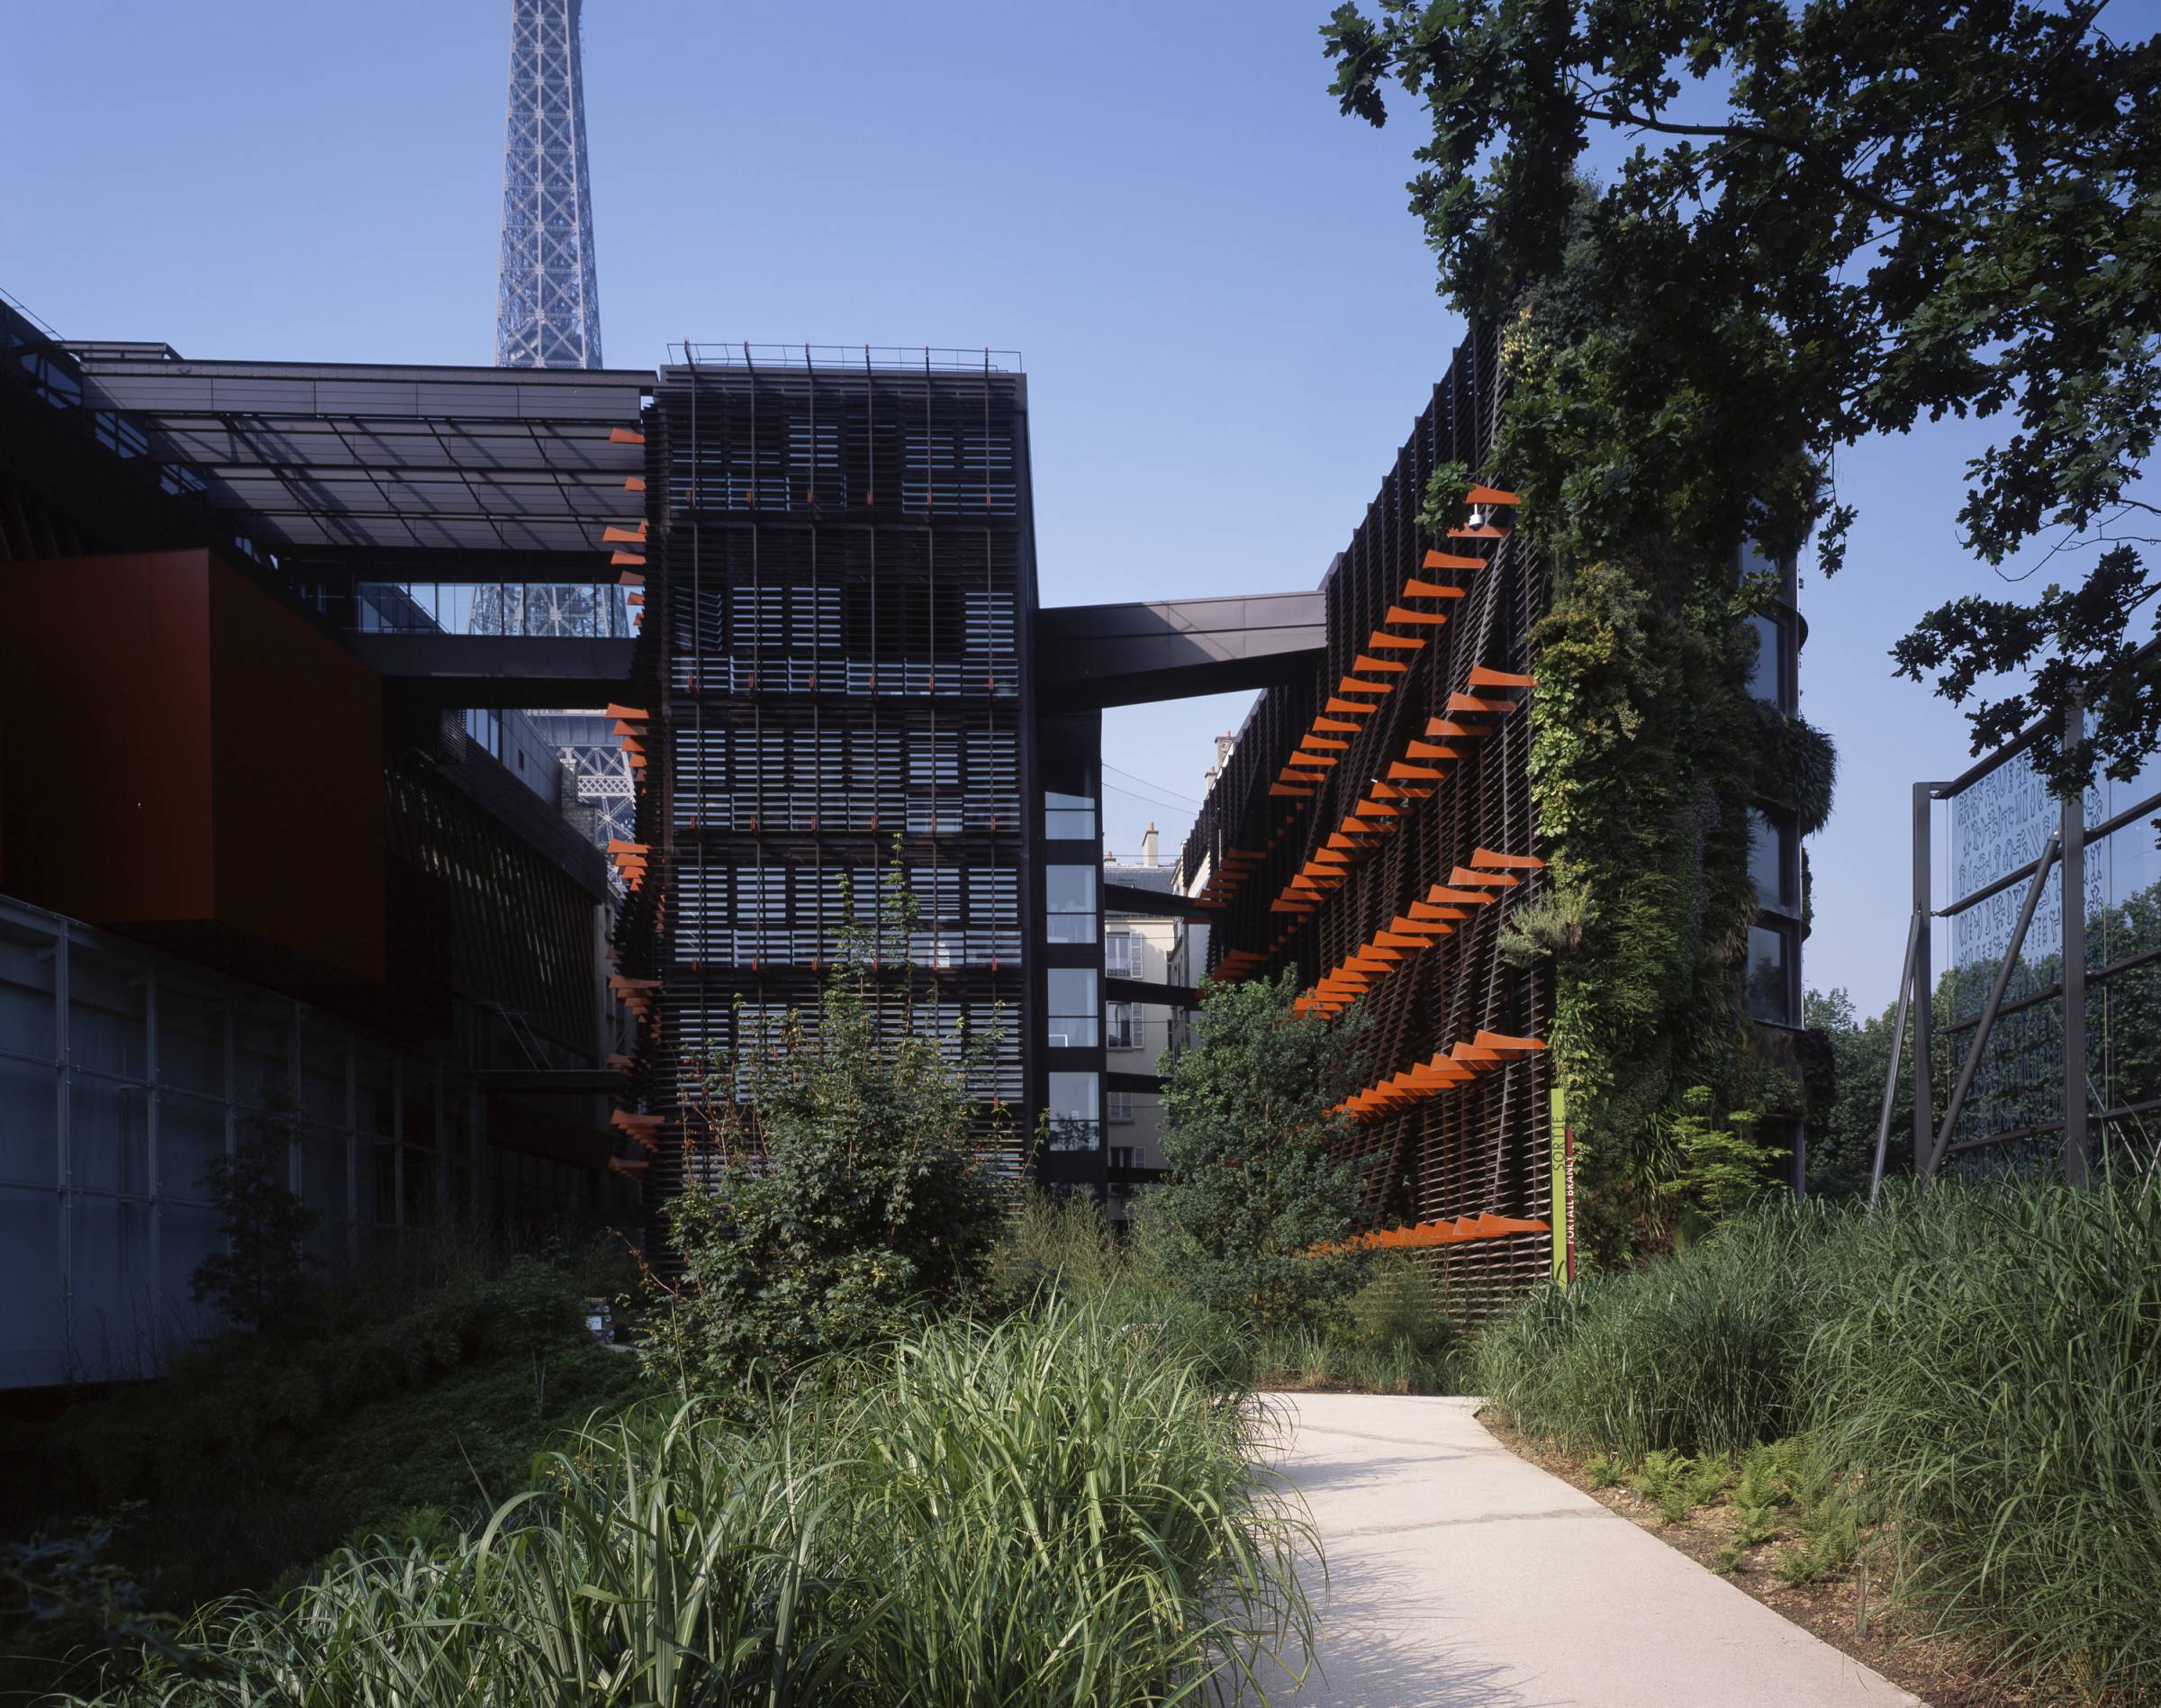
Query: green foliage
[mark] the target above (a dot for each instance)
(851, 1190)
(1058, 1509)
(1978, 1367)
(1695, 1354)
(1797, 766)
(1817, 233)
(1445, 489)
(1053, 1243)
(1255, 1187)
(1717, 1170)
(260, 1279)
(1841, 1141)
(540, 1316)
(1643, 757)
(412, 1392)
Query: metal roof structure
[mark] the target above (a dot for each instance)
(337, 459)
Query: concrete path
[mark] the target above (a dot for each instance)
(1462, 1576)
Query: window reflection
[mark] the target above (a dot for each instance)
(1070, 904)
(1073, 1022)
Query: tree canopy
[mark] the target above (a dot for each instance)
(1838, 217)
(1250, 1143)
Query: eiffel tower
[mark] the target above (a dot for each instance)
(548, 295)
(548, 314)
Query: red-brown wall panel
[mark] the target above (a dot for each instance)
(179, 752)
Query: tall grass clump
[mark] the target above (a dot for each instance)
(1697, 1354)
(1999, 1389)
(1049, 1511)
(1981, 1364)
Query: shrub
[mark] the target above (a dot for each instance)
(1998, 1386)
(260, 1279)
(1057, 1510)
(1255, 1187)
(1697, 1354)
(1978, 1368)
(851, 1190)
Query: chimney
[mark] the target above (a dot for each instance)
(1148, 847)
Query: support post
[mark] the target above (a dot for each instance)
(1995, 1001)
(1924, 1042)
(1916, 929)
(2073, 837)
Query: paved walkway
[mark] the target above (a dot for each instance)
(1461, 1577)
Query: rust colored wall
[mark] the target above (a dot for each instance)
(296, 746)
(181, 755)
(105, 736)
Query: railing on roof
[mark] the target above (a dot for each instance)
(923, 359)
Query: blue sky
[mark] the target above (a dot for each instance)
(1228, 316)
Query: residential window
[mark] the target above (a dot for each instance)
(1073, 1008)
(1124, 1028)
(1121, 1155)
(1075, 1111)
(1120, 960)
(1119, 1110)
(1771, 863)
(1767, 675)
(1770, 975)
(1070, 904)
(1068, 817)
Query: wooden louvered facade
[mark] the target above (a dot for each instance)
(839, 584)
(1374, 828)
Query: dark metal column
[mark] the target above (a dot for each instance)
(2074, 963)
(1924, 991)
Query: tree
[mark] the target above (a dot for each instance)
(1838, 217)
(841, 1183)
(1717, 1166)
(260, 1279)
(1250, 1147)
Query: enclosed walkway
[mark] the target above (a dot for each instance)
(1461, 1577)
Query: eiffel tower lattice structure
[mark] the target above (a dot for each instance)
(547, 305)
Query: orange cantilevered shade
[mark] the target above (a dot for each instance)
(1403, 614)
(1285, 789)
(1471, 703)
(634, 483)
(1445, 727)
(1488, 532)
(1460, 1230)
(1432, 589)
(1399, 940)
(1428, 750)
(1354, 685)
(625, 435)
(1485, 859)
(1481, 677)
(626, 560)
(1336, 704)
(626, 536)
(1429, 927)
(1384, 664)
(1337, 725)
(1380, 640)
(1453, 560)
(1441, 895)
(1501, 1043)
(1400, 772)
(1376, 809)
(1491, 495)
(1322, 741)
(1425, 912)
(627, 714)
(1489, 880)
